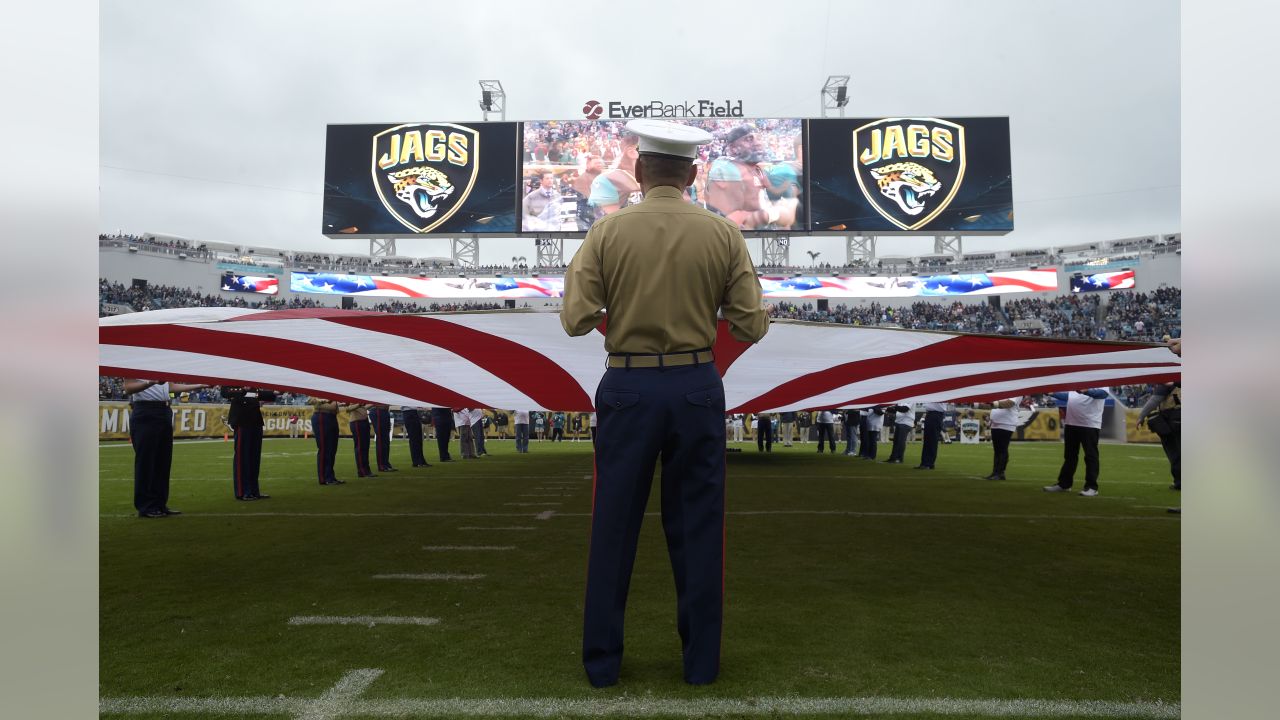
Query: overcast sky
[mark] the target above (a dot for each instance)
(213, 114)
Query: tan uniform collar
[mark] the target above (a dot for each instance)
(664, 191)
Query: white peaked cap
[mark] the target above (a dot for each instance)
(663, 137)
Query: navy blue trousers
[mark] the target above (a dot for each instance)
(151, 432)
(442, 421)
(247, 460)
(676, 414)
(380, 418)
(360, 436)
(872, 438)
(900, 434)
(932, 434)
(413, 429)
(325, 427)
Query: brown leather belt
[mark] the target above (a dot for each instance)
(633, 360)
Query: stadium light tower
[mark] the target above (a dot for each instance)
(835, 95)
(493, 99)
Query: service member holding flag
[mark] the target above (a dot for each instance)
(661, 268)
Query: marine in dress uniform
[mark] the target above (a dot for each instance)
(380, 420)
(324, 423)
(245, 418)
(661, 268)
(151, 434)
(359, 425)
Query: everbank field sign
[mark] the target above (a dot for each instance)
(618, 110)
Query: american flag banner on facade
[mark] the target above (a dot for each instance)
(1123, 280)
(524, 360)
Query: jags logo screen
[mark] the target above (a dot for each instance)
(418, 178)
(901, 175)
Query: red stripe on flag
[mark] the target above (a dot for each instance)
(300, 356)
(524, 368)
(960, 350)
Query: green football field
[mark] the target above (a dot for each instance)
(853, 589)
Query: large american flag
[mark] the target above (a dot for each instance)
(524, 360)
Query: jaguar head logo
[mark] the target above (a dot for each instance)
(422, 189)
(907, 184)
(423, 172)
(909, 169)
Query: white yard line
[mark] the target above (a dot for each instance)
(426, 576)
(344, 702)
(532, 504)
(497, 528)
(466, 548)
(366, 620)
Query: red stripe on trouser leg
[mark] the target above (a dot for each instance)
(238, 470)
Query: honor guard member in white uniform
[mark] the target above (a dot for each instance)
(661, 269)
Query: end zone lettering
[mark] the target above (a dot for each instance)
(656, 108)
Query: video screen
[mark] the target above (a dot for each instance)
(577, 171)
(911, 175)
(417, 178)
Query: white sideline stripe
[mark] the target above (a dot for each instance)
(466, 548)
(367, 620)
(539, 516)
(426, 576)
(497, 528)
(645, 707)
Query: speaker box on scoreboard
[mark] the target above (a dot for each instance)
(140, 283)
(509, 304)
(348, 303)
(824, 305)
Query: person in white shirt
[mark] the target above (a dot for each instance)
(592, 424)
(904, 420)
(737, 428)
(1004, 420)
(462, 420)
(827, 429)
(151, 434)
(934, 413)
(522, 431)
(477, 431)
(1081, 428)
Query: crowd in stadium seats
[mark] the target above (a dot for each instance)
(1144, 316)
(918, 316)
(161, 297)
(154, 244)
(1066, 316)
(400, 307)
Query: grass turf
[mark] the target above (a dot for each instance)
(962, 588)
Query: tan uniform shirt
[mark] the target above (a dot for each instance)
(663, 268)
(356, 413)
(322, 405)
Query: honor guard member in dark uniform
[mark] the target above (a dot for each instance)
(151, 433)
(934, 413)
(661, 269)
(413, 431)
(324, 423)
(380, 419)
(245, 417)
(442, 421)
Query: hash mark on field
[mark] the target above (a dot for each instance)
(546, 514)
(343, 701)
(338, 699)
(367, 620)
(446, 548)
(426, 576)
